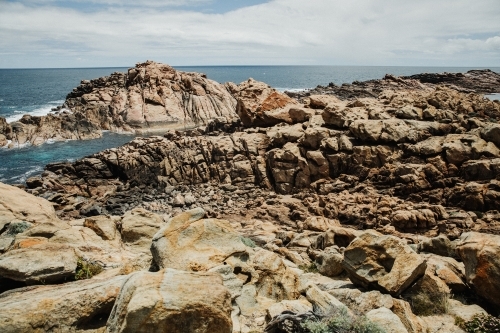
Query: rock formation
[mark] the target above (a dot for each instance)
(151, 97)
(315, 206)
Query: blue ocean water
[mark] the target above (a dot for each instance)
(36, 91)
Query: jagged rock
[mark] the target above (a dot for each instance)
(439, 245)
(329, 262)
(362, 302)
(261, 105)
(464, 312)
(179, 200)
(387, 319)
(173, 301)
(442, 323)
(383, 262)
(481, 81)
(318, 223)
(413, 324)
(299, 306)
(190, 243)
(150, 97)
(386, 131)
(480, 253)
(68, 307)
(40, 263)
(323, 303)
(104, 226)
(491, 133)
(138, 227)
(448, 270)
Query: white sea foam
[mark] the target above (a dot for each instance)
(22, 178)
(292, 89)
(41, 111)
(493, 96)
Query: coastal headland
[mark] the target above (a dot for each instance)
(254, 210)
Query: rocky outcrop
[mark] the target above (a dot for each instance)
(172, 301)
(416, 160)
(479, 253)
(479, 81)
(476, 81)
(149, 98)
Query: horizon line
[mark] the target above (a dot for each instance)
(199, 66)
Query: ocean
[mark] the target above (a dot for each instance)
(37, 91)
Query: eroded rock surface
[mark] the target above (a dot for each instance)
(172, 301)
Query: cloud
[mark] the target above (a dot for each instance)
(336, 32)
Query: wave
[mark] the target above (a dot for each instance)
(22, 177)
(40, 111)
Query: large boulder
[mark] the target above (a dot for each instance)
(387, 319)
(139, 226)
(172, 301)
(383, 262)
(63, 308)
(16, 204)
(190, 243)
(260, 105)
(481, 255)
(41, 263)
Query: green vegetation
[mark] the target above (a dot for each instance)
(429, 304)
(86, 269)
(481, 324)
(17, 228)
(248, 242)
(311, 268)
(342, 322)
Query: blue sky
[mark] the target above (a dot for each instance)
(100, 33)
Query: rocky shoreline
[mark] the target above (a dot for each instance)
(361, 200)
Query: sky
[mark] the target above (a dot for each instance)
(120, 33)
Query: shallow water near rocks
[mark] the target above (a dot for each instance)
(18, 164)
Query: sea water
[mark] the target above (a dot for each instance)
(37, 91)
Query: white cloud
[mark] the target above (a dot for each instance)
(364, 32)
